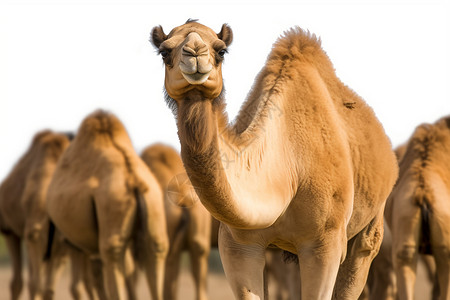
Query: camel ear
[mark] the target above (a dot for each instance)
(157, 37)
(226, 34)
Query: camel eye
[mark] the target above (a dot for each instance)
(222, 52)
(164, 53)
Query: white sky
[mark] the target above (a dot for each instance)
(61, 60)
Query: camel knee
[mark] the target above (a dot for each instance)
(160, 248)
(370, 239)
(406, 254)
(112, 250)
(199, 248)
(34, 233)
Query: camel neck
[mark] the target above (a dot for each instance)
(207, 143)
(197, 131)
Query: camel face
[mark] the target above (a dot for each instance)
(193, 55)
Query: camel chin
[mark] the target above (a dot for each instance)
(196, 78)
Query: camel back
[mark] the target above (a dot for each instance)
(164, 162)
(101, 146)
(427, 151)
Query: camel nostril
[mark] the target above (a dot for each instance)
(197, 51)
(189, 51)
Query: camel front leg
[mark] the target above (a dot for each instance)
(361, 250)
(319, 262)
(243, 265)
(13, 244)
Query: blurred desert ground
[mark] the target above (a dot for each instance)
(218, 288)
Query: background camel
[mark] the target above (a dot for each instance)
(23, 214)
(103, 196)
(188, 222)
(418, 210)
(306, 166)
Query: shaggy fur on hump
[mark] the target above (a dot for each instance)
(295, 44)
(104, 129)
(427, 150)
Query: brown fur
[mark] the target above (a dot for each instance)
(23, 216)
(420, 201)
(305, 174)
(103, 196)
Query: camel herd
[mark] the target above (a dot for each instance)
(318, 182)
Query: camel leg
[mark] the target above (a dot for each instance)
(154, 268)
(54, 267)
(112, 250)
(35, 244)
(81, 272)
(130, 274)
(406, 226)
(171, 275)
(87, 277)
(361, 250)
(199, 260)
(243, 265)
(319, 263)
(199, 240)
(153, 228)
(97, 277)
(13, 244)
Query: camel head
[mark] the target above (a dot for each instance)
(193, 55)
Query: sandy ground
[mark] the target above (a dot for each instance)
(218, 288)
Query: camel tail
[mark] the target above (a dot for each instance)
(181, 231)
(51, 236)
(425, 233)
(141, 228)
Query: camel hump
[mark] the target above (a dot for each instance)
(426, 152)
(102, 122)
(299, 39)
(163, 154)
(103, 130)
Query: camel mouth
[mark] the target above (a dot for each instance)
(196, 78)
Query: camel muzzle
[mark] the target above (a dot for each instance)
(194, 64)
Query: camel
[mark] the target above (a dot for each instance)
(417, 211)
(188, 222)
(23, 217)
(306, 166)
(103, 197)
